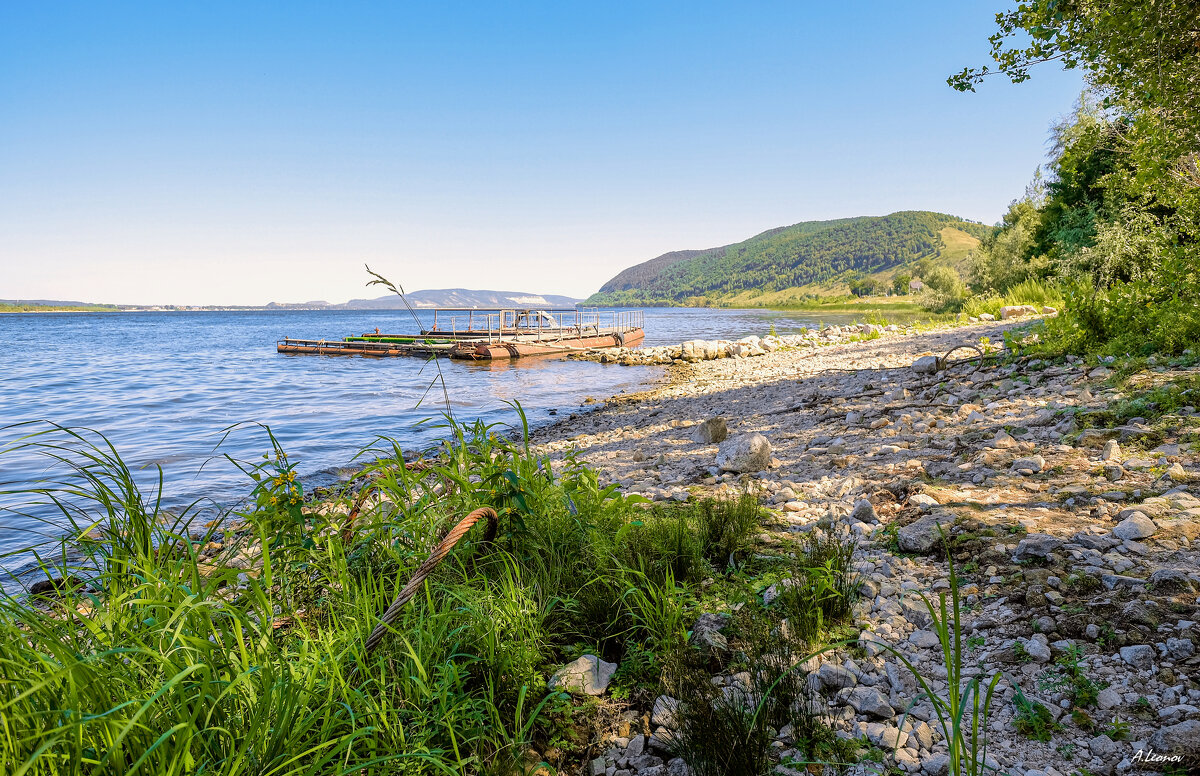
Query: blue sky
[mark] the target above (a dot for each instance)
(239, 153)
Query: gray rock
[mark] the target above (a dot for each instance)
(864, 512)
(1140, 656)
(1136, 526)
(925, 365)
(1034, 463)
(744, 453)
(1171, 579)
(1180, 649)
(589, 675)
(711, 431)
(663, 714)
(1183, 738)
(707, 630)
(1036, 546)
(1118, 581)
(678, 767)
(1103, 747)
(936, 764)
(923, 535)
(886, 736)
(1112, 451)
(1108, 698)
(868, 700)
(834, 677)
(924, 639)
(1038, 648)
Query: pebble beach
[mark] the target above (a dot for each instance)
(1074, 546)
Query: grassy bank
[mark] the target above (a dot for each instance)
(214, 649)
(42, 308)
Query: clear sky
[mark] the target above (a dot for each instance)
(240, 153)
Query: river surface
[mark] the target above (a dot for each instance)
(164, 387)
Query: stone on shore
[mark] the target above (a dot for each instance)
(1036, 546)
(711, 431)
(1136, 526)
(1032, 463)
(868, 700)
(744, 453)
(1180, 739)
(925, 365)
(864, 512)
(588, 675)
(1017, 311)
(923, 535)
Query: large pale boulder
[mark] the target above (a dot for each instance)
(744, 453)
(1017, 311)
(1136, 526)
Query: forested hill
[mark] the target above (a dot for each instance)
(787, 257)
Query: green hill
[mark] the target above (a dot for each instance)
(783, 260)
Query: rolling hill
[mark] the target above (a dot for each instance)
(780, 261)
(443, 297)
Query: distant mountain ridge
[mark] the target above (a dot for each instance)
(786, 257)
(443, 297)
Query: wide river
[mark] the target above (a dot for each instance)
(164, 387)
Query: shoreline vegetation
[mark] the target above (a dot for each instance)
(657, 598)
(931, 549)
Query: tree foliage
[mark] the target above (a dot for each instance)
(1117, 220)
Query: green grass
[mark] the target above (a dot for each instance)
(173, 660)
(170, 661)
(44, 308)
(1038, 293)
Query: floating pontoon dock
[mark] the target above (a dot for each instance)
(485, 335)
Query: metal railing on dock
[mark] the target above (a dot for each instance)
(540, 325)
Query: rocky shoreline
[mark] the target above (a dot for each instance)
(1076, 549)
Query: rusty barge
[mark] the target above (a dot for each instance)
(489, 335)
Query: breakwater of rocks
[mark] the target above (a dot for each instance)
(697, 350)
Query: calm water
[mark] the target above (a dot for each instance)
(163, 387)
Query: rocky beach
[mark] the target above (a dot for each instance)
(1074, 546)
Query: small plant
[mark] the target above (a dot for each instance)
(1117, 730)
(729, 730)
(1033, 719)
(725, 527)
(963, 712)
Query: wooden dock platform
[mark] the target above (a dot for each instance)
(481, 335)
